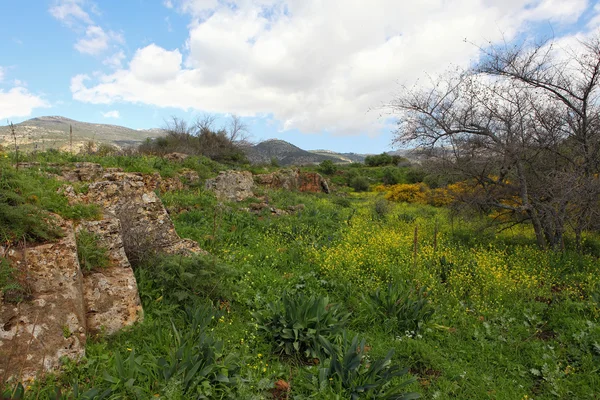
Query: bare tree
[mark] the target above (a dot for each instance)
(523, 124)
(237, 130)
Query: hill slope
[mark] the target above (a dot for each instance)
(287, 154)
(53, 132)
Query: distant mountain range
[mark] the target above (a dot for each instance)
(44, 133)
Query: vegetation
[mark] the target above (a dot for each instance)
(91, 253)
(200, 138)
(355, 296)
(523, 124)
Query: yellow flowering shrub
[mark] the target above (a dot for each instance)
(408, 193)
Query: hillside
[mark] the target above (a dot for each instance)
(53, 132)
(287, 154)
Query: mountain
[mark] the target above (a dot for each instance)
(53, 132)
(287, 154)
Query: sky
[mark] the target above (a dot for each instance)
(316, 73)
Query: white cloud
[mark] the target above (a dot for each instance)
(168, 3)
(70, 12)
(116, 60)
(18, 102)
(313, 65)
(96, 40)
(2, 73)
(111, 114)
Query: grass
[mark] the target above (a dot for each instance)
(91, 253)
(499, 318)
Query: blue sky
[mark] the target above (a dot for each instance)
(312, 72)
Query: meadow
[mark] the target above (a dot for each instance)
(353, 297)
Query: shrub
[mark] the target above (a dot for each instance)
(415, 175)
(327, 167)
(360, 183)
(91, 253)
(391, 176)
(408, 193)
(381, 208)
(298, 322)
(399, 308)
(351, 374)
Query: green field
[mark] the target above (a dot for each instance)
(272, 312)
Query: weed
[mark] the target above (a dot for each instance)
(399, 308)
(350, 373)
(90, 251)
(297, 322)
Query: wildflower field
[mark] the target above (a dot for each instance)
(355, 297)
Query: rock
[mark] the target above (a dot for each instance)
(35, 334)
(296, 208)
(145, 223)
(293, 179)
(232, 185)
(111, 295)
(312, 182)
(175, 156)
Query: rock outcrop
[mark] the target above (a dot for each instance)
(36, 334)
(145, 222)
(66, 305)
(111, 297)
(232, 185)
(293, 179)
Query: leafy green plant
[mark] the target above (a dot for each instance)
(359, 183)
(197, 364)
(91, 253)
(327, 167)
(182, 279)
(351, 374)
(400, 308)
(296, 324)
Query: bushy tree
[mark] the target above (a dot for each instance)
(524, 124)
(201, 138)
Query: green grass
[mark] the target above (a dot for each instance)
(91, 253)
(499, 318)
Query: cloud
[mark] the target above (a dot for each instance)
(2, 73)
(96, 40)
(70, 12)
(312, 65)
(116, 60)
(18, 102)
(111, 114)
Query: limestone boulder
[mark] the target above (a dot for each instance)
(111, 295)
(36, 334)
(232, 185)
(145, 223)
(293, 179)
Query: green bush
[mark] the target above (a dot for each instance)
(391, 176)
(91, 253)
(360, 183)
(351, 374)
(327, 167)
(381, 208)
(297, 323)
(399, 308)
